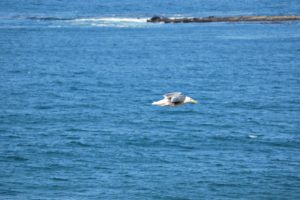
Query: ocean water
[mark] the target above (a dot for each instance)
(77, 82)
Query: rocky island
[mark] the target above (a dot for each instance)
(158, 19)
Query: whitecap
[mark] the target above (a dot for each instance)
(252, 136)
(112, 19)
(110, 22)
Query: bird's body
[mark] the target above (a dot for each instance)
(174, 99)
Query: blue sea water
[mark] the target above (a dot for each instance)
(77, 82)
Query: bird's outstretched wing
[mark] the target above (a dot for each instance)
(172, 94)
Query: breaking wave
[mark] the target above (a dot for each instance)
(111, 22)
(85, 21)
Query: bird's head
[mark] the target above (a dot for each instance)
(190, 100)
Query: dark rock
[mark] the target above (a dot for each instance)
(155, 19)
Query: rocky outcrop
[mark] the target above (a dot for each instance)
(157, 19)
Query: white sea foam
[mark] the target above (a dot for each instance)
(252, 136)
(111, 22)
(112, 19)
(58, 22)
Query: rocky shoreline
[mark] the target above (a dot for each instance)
(158, 19)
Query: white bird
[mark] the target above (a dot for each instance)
(174, 99)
